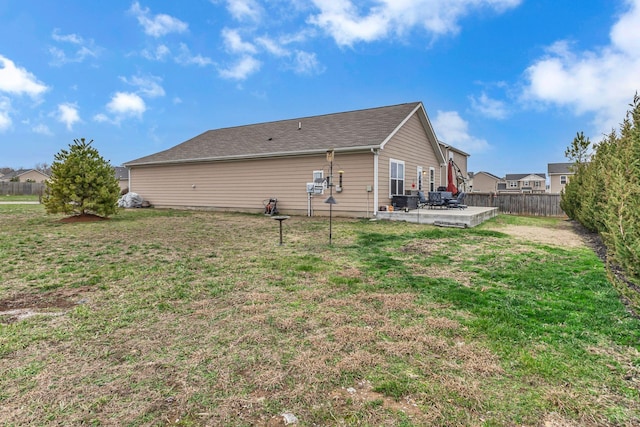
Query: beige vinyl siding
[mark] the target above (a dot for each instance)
(483, 183)
(555, 187)
(410, 145)
(244, 185)
(30, 176)
(461, 161)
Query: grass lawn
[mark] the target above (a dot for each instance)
(19, 198)
(188, 318)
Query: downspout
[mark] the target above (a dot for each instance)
(376, 155)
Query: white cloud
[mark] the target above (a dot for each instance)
(68, 114)
(186, 58)
(307, 63)
(125, 104)
(243, 10)
(272, 46)
(69, 38)
(488, 107)
(160, 53)
(101, 118)
(82, 49)
(18, 81)
(600, 82)
(453, 130)
(233, 42)
(157, 25)
(624, 34)
(245, 66)
(5, 119)
(348, 24)
(147, 86)
(42, 129)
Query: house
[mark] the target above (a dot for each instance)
(372, 155)
(25, 175)
(559, 175)
(523, 183)
(485, 182)
(122, 175)
(459, 159)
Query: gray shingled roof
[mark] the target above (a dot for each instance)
(519, 176)
(361, 129)
(554, 168)
(487, 173)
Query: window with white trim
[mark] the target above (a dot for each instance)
(563, 179)
(513, 184)
(396, 177)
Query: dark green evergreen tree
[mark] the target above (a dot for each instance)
(577, 152)
(81, 182)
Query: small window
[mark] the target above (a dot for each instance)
(526, 183)
(563, 179)
(432, 179)
(513, 184)
(419, 173)
(536, 184)
(396, 177)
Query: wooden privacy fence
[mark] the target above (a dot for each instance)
(518, 204)
(21, 188)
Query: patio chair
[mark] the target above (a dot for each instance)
(422, 202)
(458, 202)
(436, 200)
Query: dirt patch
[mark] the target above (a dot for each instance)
(22, 306)
(563, 235)
(364, 395)
(83, 218)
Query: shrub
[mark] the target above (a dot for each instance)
(81, 182)
(604, 194)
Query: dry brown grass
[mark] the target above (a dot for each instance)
(201, 318)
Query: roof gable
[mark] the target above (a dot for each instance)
(348, 131)
(525, 176)
(490, 175)
(18, 173)
(452, 148)
(559, 168)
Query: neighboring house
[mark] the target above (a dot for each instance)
(25, 175)
(485, 182)
(559, 175)
(524, 183)
(378, 153)
(122, 175)
(460, 173)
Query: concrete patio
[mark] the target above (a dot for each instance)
(463, 218)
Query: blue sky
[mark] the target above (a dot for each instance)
(510, 82)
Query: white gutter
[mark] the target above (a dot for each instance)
(376, 155)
